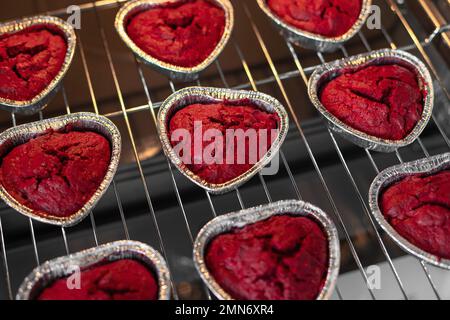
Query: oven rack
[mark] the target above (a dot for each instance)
(276, 78)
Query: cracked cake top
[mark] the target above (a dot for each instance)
(384, 101)
(281, 258)
(184, 33)
(418, 208)
(29, 61)
(119, 280)
(57, 172)
(222, 117)
(330, 18)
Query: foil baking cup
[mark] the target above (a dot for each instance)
(192, 95)
(175, 72)
(50, 271)
(226, 223)
(315, 41)
(79, 121)
(329, 71)
(393, 174)
(41, 100)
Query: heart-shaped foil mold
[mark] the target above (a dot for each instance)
(329, 71)
(50, 271)
(237, 220)
(395, 174)
(77, 122)
(56, 25)
(175, 72)
(312, 40)
(201, 95)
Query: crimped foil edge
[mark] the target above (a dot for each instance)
(83, 120)
(395, 173)
(40, 101)
(330, 70)
(46, 273)
(225, 223)
(311, 40)
(173, 71)
(192, 95)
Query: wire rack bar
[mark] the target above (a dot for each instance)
(91, 214)
(286, 165)
(248, 85)
(422, 146)
(428, 275)
(5, 262)
(131, 138)
(308, 148)
(96, 110)
(30, 222)
(366, 44)
(395, 8)
(355, 187)
(283, 157)
(180, 202)
(419, 140)
(276, 78)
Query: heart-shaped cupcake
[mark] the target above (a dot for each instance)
(180, 38)
(288, 250)
(411, 203)
(35, 54)
(220, 138)
(121, 270)
(56, 170)
(380, 100)
(318, 25)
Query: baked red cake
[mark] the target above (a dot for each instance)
(29, 61)
(56, 173)
(222, 117)
(184, 33)
(330, 18)
(282, 258)
(120, 280)
(384, 101)
(418, 208)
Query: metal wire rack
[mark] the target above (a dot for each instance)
(274, 81)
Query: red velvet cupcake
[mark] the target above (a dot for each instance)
(57, 172)
(384, 101)
(418, 208)
(120, 280)
(281, 258)
(184, 33)
(330, 18)
(29, 60)
(223, 117)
